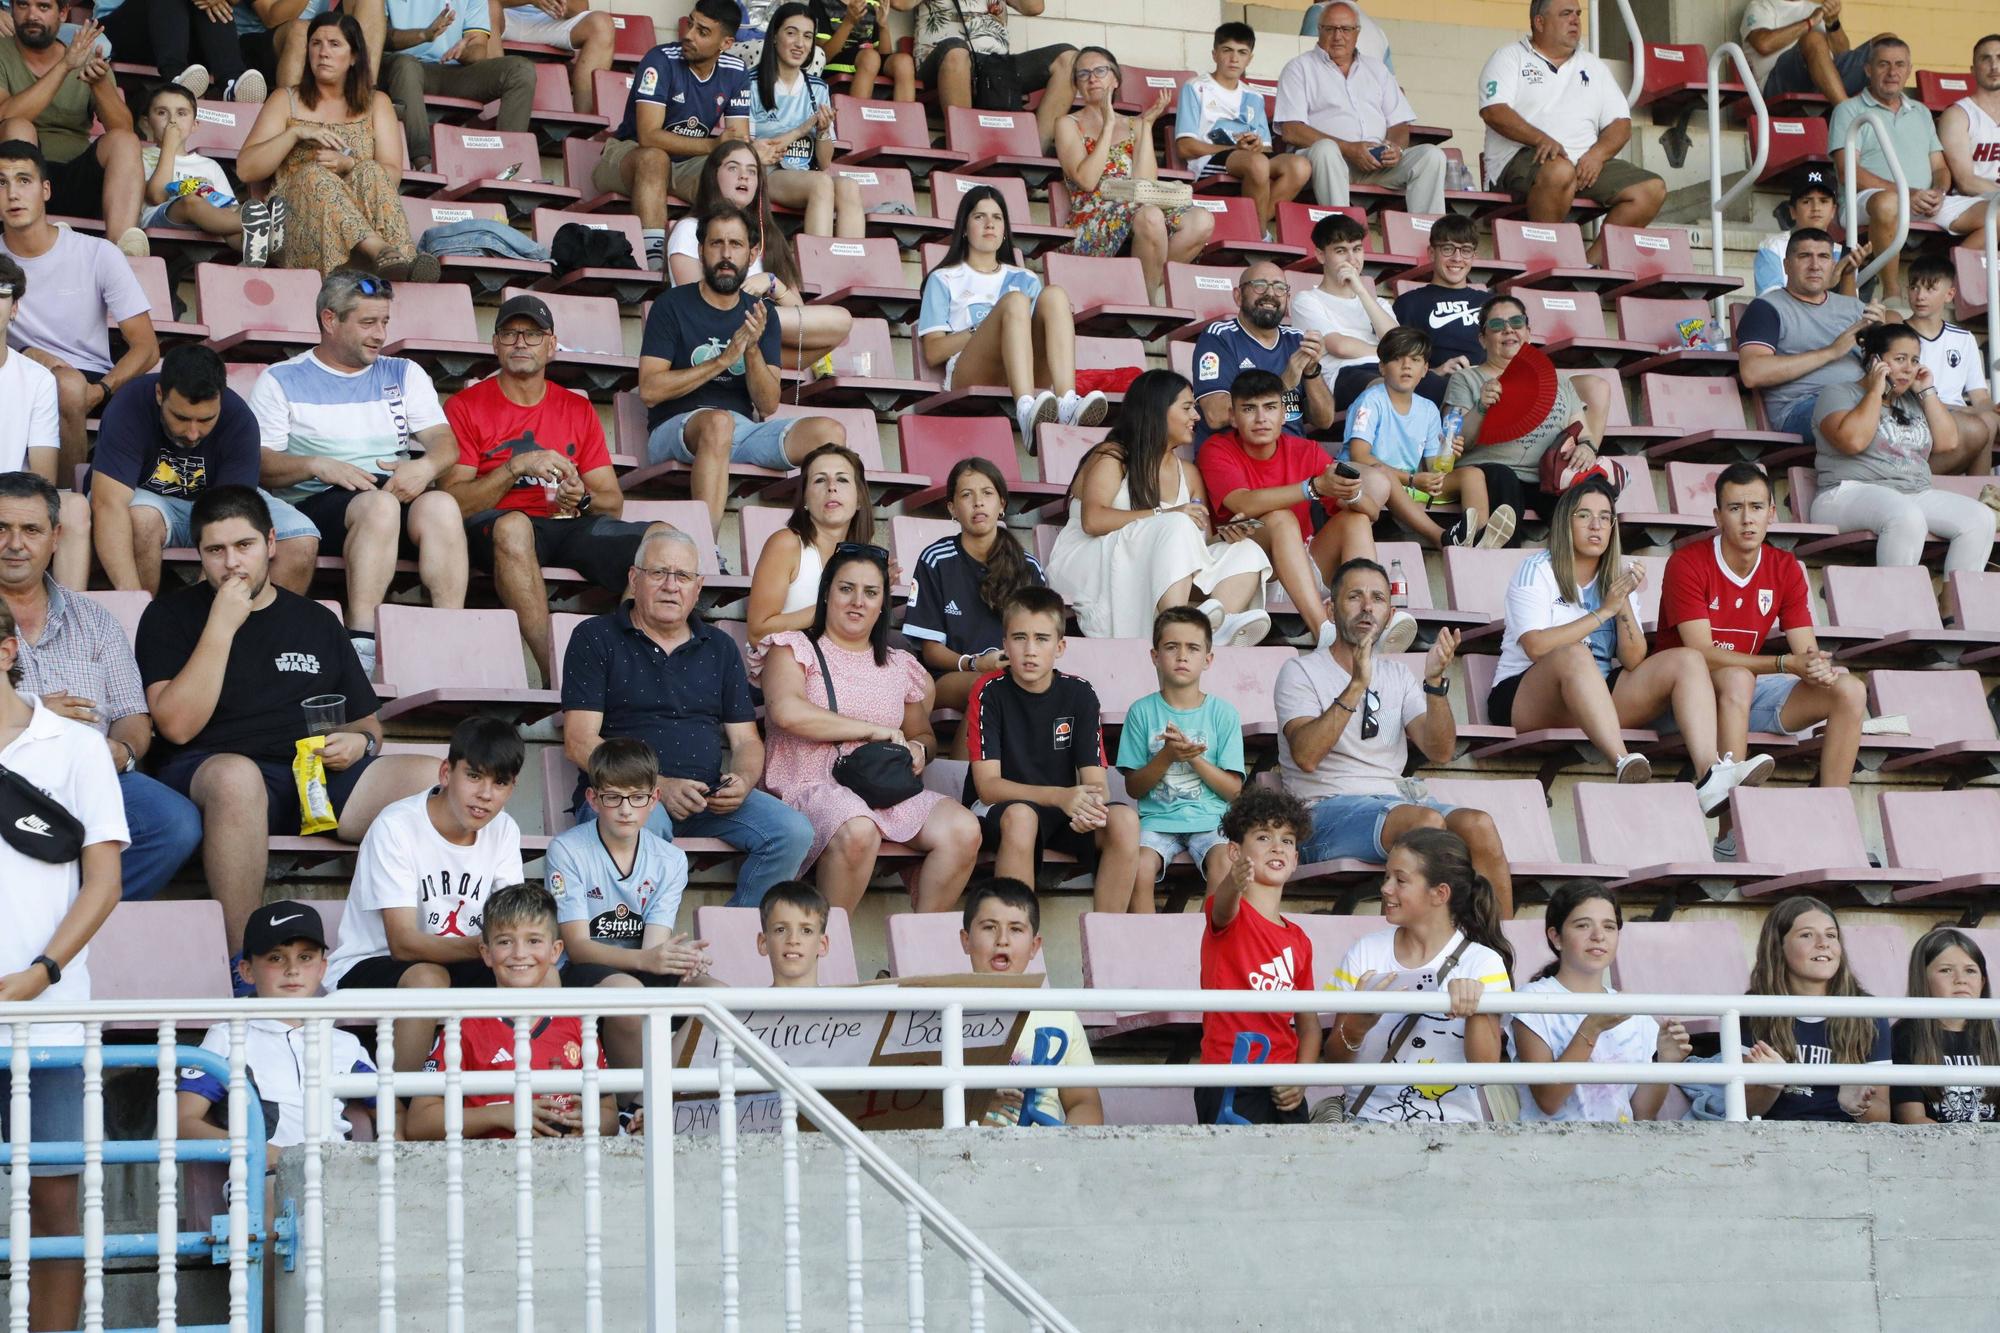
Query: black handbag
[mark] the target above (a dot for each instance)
(34, 825)
(995, 85)
(879, 772)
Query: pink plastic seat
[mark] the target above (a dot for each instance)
(1109, 296)
(925, 944)
(1530, 941)
(1814, 837)
(1520, 812)
(863, 276)
(559, 781)
(1296, 221)
(879, 133)
(1476, 582)
(613, 88)
(731, 934)
(473, 160)
(1656, 837)
(1551, 255)
(151, 272)
(1880, 957)
(580, 156)
(555, 115)
(1141, 951)
(1208, 290)
(432, 323)
(1682, 958)
(881, 184)
(1691, 492)
(908, 536)
(1655, 323)
(456, 662)
(999, 143)
(865, 374)
(930, 445)
(1238, 237)
(1570, 327)
(948, 187)
(1332, 935)
(591, 338)
(221, 129)
(626, 285)
(1956, 833)
(1661, 262)
(171, 950)
(125, 608)
(1948, 713)
(1246, 676)
(1559, 746)
(1708, 411)
(1890, 618)
(484, 274)
(1120, 670)
(258, 314)
(1409, 235)
(1974, 598)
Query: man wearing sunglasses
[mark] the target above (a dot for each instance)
(533, 477)
(1347, 716)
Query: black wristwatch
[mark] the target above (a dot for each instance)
(1317, 372)
(1441, 690)
(53, 967)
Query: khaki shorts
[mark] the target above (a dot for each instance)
(1618, 176)
(608, 176)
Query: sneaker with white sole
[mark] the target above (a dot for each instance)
(133, 242)
(365, 650)
(195, 79)
(256, 218)
(1729, 774)
(1635, 768)
(247, 87)
(1245, 629)
(1092, 409)
(1465, 532)
(1725, 846)
(1499, 528)
(1213, 610)
(1400, 633)
(281, 213)
(1032, 410)
(1329, 633)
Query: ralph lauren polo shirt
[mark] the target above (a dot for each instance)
(676, 702)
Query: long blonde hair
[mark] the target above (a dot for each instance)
(1562, 553)
(1852, 1039)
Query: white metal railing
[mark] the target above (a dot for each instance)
(746, 1065)
(1638, 45)
(1991, 254)
(1848, 150)
(1719, 198)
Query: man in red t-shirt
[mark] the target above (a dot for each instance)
(1312, 519)
(533, 477)
(1725, 598)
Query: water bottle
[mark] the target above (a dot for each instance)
(1399, 586)
(1458, 176)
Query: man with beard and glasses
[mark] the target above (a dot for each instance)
(1346, 717)
(53, 91)
(709, 361)
(228, 664)
(533, 477)
(1259, 339)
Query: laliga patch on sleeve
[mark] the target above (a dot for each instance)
(1210, 367)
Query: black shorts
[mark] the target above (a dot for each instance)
(281, 810)
(1253, 1104)
(328, 511)
(76, 187)
(1500, 702)
(596, 974)
(385, 973)
(599, 547)
(1056, 835)
(1031, 68)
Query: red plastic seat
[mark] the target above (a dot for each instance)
(1139, 87)
(894, 134)
(627, 286)
(1691, 491)
(433, 325)
(1677, 78)
(1658, 837)
(613, 88)
(1570, 327)
(471, 160)
(1207, 290)
(632, 38)
(580, 157)
(1948, 713)
(221, 129)
(1297, 220)
(1708, 409)
(865, 374)
(1551, 256)
(258, 313)
(1656, 324)
(555, 115)
(999, 143)
(1887, 617)
(1109, 296)
(880, 185)
(926, 944)
(930, 445)
(591, 336)
(485, 275)
(1238, 237)
(1409, 234)
(731, 935)
(1797, 146)
(151, 272)
(1814, 837)
(1955, 833)
(456, 663)
(1621, 434)
(948, 186)
(1520, 811)
(1662, 264)
(1937, 90)
(863, 276)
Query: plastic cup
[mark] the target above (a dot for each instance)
(325, 713)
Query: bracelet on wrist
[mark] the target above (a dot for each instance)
(1340, 1031)
(1340, 704)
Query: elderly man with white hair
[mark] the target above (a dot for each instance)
(1347, 114)
(655, 671)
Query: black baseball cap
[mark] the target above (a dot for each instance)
(1816, 180)
(526, 307)
(281, 923)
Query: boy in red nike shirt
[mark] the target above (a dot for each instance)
(1724, 598)
(1250, 946)
(520, 940)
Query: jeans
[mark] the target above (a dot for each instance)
(1901, 522)
(773, 837)
(166, 830)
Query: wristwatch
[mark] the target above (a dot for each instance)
(53, 968)
(1441, 690)
(369, 745)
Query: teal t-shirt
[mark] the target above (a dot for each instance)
(1182, 802)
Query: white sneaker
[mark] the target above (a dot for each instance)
(134, 243)
(247, 87)
(1092, 409)
(1728, 774)
(1213, 610)
(195, 79)
(1032, 411)
(1465, 532)
(1245, 629)
(1329, 633)
(1400, 634)
(1635, 768)
(1499, 528)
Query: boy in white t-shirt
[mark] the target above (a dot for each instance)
(1220, 129)
(31, 433)
(1343, 309)
(189, 190)
(1001, 932)
(426, 868)
(1957, 367)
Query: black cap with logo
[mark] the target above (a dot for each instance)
(281, 923)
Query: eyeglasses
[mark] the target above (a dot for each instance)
(862, 549)
(1497, 323)
(1456, 251)
(1094, 72)
(675, 577)
(1341, 29)
(1258, 286)
(618, 800)
(1371, 722)
(512, 336)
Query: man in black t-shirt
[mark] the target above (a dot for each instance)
(1037, 779)
(228, 665)
(708, 360)
(1447, 307)
(164, 439)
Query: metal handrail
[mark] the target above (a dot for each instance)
(1638, 48)
(1849, 152)
(1719, 198)
(1992, 253)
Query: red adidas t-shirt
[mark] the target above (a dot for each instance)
(1741, 614)
(487, 1044)
(1252, 952)
(1226, 466)
(491, 429)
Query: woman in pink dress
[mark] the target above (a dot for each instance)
(881, 694)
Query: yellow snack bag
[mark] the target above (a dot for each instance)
(316, 812)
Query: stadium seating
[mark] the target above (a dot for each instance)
(496, 165)
(456, 662)
(889, 134)
(1034, 239)
(1109, 296)
(733, 960)
(1814, 837)
(1657, 837)
(1955, 833)
(1140, 952)
(1570, 328)
(930, 445)
(433, 325)
(1520, 811)
(864, 374)
(999, 143)
(591, 343)
(172, 950)
(257, 314)
(1551, 257)
(1709, 410)
(1408, 234)
(925, 944)
(626, 285)
(1866, 603)
(1661, 264)
(1684, 958)
(1948, 714)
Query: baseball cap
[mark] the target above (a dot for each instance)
(526, 307)
(281, 923)
(1816, 180)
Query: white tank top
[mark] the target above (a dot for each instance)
(1984, 133)
(804, 591)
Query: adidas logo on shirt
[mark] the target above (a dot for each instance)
(951, 608)
(503, 1056)
(1274, 975)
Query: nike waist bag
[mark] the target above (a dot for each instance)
(34, 825)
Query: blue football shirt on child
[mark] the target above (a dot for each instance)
(1400, 440)
(586, 884)
(1182, 802)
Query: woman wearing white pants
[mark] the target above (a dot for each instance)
(1875, 439)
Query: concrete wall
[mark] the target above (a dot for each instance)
(1668, 1227)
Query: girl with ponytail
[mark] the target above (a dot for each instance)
(1444, 936)
(1583, 924)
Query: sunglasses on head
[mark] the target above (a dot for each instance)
(368, 286)
(863, 549)
(1499, 322)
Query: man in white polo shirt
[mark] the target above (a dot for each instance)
(1556, 121)
(62, 831)
(1347, 114)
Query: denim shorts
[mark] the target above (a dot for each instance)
(55, 1112)
(1350, 827)
(756, 443)
(1767, 701)
(177, 510)
(1169, 845)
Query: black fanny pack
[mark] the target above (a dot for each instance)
(34, 825)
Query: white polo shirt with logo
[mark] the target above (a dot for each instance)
(1571, 102)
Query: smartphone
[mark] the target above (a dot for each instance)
(1347, 471)
(1378, 152)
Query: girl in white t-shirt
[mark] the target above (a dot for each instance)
(986, 320)
(1582, 924)
(1445, 937)
(791, 119)
(1575, 655)
(734, 174)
